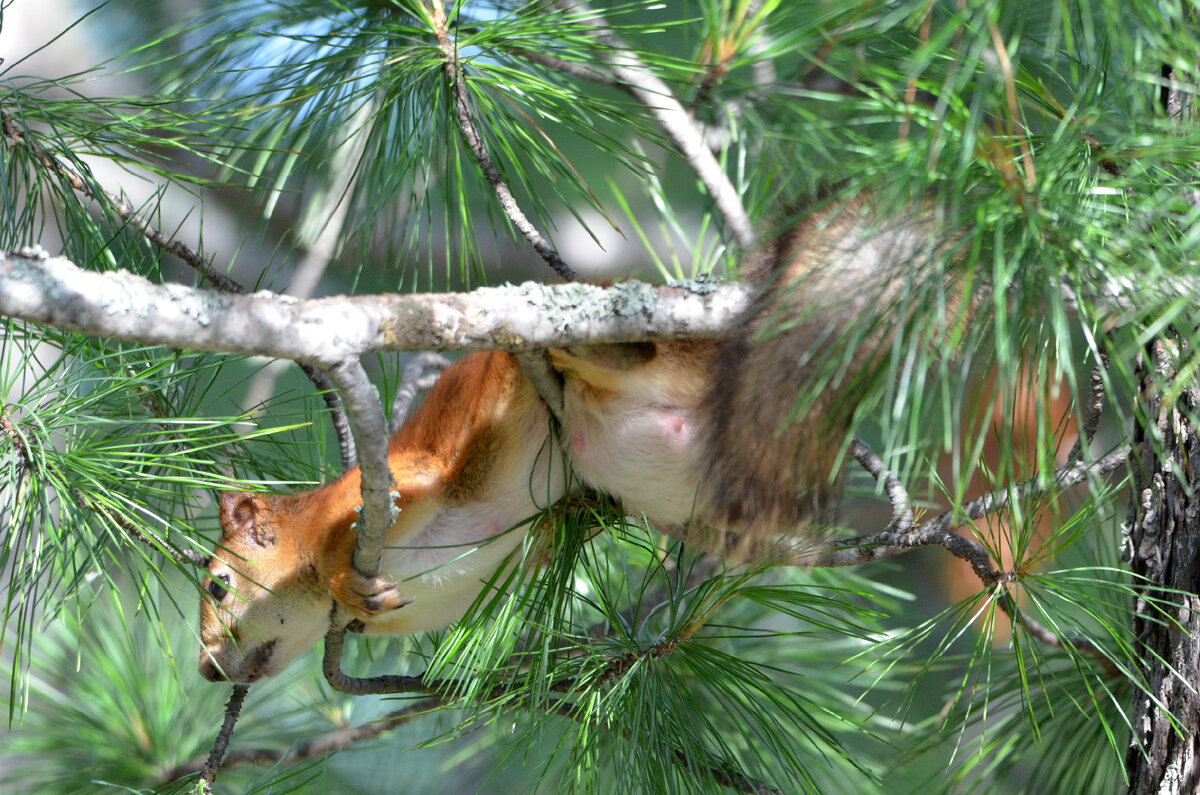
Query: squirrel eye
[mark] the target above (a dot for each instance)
(217, 586)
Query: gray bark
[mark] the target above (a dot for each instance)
(1164, 545)
(327, 331)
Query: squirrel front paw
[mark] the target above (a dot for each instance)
(367, 597)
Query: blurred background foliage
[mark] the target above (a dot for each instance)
(313, 148)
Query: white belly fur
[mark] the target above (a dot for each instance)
(445, 564)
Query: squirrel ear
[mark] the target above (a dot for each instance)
(242, 515)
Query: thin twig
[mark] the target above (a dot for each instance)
(322, 745)
(118, 204)
(420, 374)
(573, 68)
(470, 133)
(547, 381)
(634, 77)
(331, 666)
(902, 513)
(233, 708)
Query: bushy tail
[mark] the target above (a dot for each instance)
(791, 375)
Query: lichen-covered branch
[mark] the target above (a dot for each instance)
(327, 331)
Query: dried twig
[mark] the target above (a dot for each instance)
(233, 708)
(331, 742)
(420, 374)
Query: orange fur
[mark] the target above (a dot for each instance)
(471, 462)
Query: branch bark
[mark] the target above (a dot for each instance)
(1164, 544)
(327, 331)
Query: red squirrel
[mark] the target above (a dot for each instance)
(697, 435)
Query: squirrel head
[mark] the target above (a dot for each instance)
(263, 603)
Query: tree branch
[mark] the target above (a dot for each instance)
(21, 137)
(938, 532)
(233, 708)
(633, 76)
(470, 133)
(326, 331)
(420, 374)
(371, 440)
(902, 514)
(333, 741)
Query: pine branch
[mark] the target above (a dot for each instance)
(126, 211)
(394, 684)
(634, 77)
(470, 133)
(939, 532)
(326, 331)
(147, 536)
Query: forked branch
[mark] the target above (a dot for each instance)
(20, 136)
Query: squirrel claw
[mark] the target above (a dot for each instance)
(368, 597)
